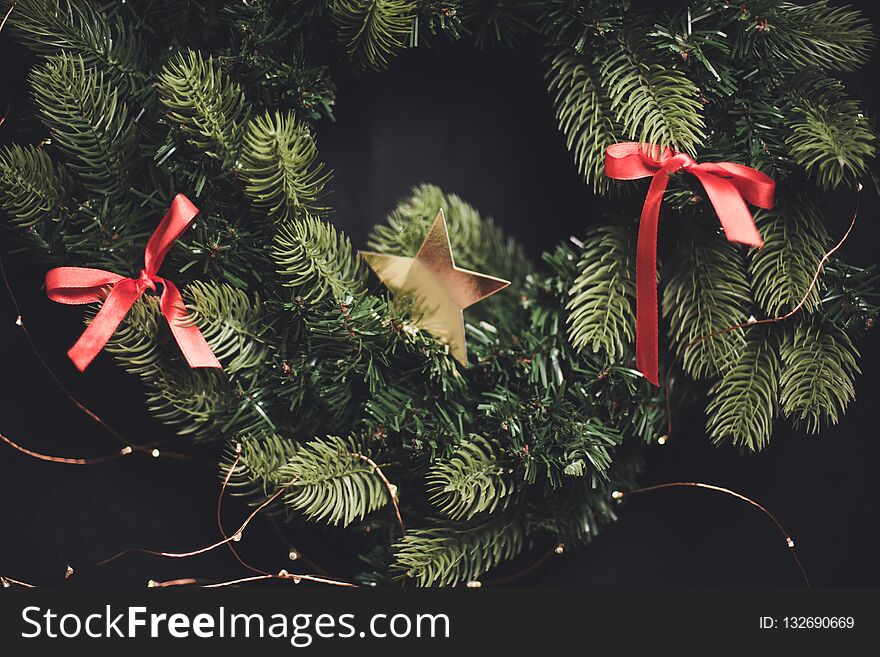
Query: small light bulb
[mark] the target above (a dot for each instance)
(662, 439)
(616, 495)
(393, 490)
(68, 572)
(293, 555)
(474, 584)
(790, 541)
(297, 579)
(238, 448)
(152, 584)
(751, 320)
(236, 537)
(559, 549)
(155, 453)
(125, 451)
(6, 583)
(283, 573)
(18, 321)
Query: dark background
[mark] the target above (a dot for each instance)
(481, 125)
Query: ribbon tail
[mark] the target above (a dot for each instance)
(100, 330)
(188, 336)
(647, 321)
(734, 215)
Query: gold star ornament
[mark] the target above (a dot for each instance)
(438, 290)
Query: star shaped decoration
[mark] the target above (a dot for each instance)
(439, 290)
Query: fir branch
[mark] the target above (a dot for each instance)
(281, 169)
(202, 403)
(743, 402)
(77, 27)
(260, 459)
(503, 23)
(89, 121)
(601, 308)
(816, 382)
(575, 23)
(446, 555)
(373, 31)
(208, 106)
(236, 327)
(850, 296)
(818, 36)
(33, 192)
(316, 261)
(830, 136)
(470, 481)
(583, 110)
(794, 242)
(705, 291)
(328, 481)
(655, 103)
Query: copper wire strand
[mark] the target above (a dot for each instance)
(181, 555)
(287, 576)
(510, 579)
(183, 581)
(790, 544)
(227, 540)
(308, 562)
(758, 322)
(8, 581)
(235, 553)
(65, 460)
(392, 489)
(6, 17)
(5, 85)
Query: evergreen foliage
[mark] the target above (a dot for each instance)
(583, 110)
(447, 555)
(816, 381)
(822, 36)
(602, 305)
(327, 481)
(469, 482)
(706, 292)
(78, 27)
(89, 121)
(207, 105)
(33, 193)
(316, 260)
(794, 242)
(325, 375)
(373, 31)
(744, 400)
(830, 137)
(281, 168)
(655, 104)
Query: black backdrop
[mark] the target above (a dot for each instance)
(479, 124)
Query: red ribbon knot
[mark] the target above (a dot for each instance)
(80, 285)
(728, 185)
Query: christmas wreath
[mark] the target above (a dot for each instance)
(447, 448)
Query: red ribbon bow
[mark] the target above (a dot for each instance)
(79, 285)
(728, 186)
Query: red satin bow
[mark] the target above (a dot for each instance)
(727, 185)
(79, 285)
